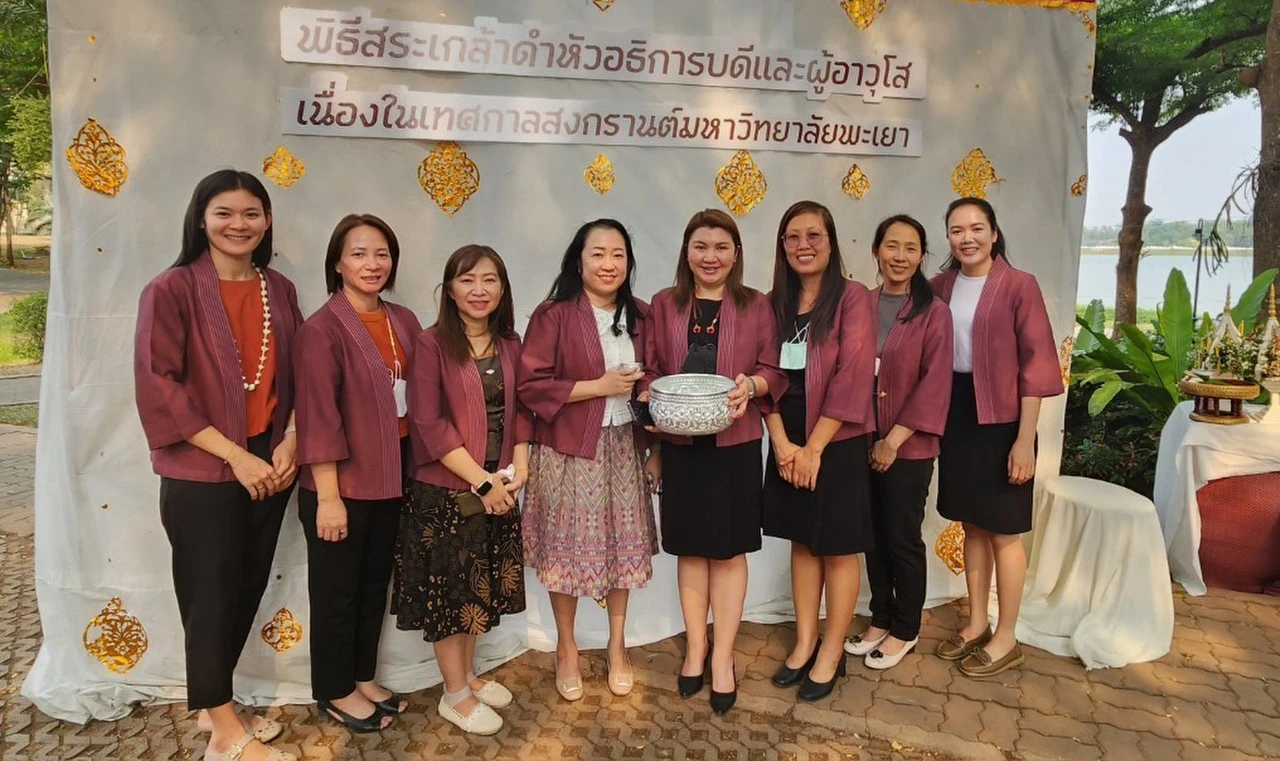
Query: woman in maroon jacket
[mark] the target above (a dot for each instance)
(214, 389)
(588, 518)
(459, 565)
(816, 484)
(709, 322)
(1006, 361)
(351, 358)
(913, 393)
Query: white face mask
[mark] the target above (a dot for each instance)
(398, 387)
(795, 354)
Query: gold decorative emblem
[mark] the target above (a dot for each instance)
(741, 184)
(950, 547)
(603, 5)
(856, 182)
(972, 175)
(1064, 359)
(863, 12)
(283, 631)
(115, 638)
(283, 168)
(449, 176)
(600, 175)
(1080, 186)
(98, 160)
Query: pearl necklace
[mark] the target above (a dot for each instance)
(266, 333)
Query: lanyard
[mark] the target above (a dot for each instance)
(395, 355)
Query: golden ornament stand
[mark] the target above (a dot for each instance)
(1208, 398)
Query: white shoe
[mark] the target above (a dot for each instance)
(859, 646)
(493, 695)
(481, 721)
(878, 660)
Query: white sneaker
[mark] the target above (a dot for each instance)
(878, 660)
(858, 646)
(481, 721)
(493, 695)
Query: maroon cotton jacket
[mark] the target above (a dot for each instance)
(446, 410)
(748, 344)
(914, 385)
(346, 406)
(840, 369)
(562, 347)
(1014, 354)
(187, 374)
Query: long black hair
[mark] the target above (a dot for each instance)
(921, 292)
(786, 283)
(568, 284)
(195, 240)
(997, 247)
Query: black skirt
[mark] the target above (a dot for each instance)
(711, 499)
(973, 468)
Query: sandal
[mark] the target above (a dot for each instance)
(236, 750)
(265, 730)
(371, 723)
(393, 705)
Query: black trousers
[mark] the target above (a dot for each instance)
(896, 567)
(223, 544)
(348, 582)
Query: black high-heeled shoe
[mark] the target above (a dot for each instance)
(688, 686)
(811, 690)
(786, 676)
(371, 723)
(721, 702)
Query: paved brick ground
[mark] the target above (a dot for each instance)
(1216, 695)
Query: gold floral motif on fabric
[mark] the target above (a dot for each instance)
(283, 168)
(115, 638)
(741, 184)
(599, 174)
(950, 547)
(474, 619)
(283, 631)
(1081, 185)
(603, 5)
(856, 182)
(98, 160)
(1064, 359)
(863, 12)
(974, 175)
(449, 176)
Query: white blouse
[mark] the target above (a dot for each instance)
(964, 305)
(617, 350)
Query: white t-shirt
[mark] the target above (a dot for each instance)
(617, 350)
(964, 304)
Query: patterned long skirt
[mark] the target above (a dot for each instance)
(454, 575)
(588, 524)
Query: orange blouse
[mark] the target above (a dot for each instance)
(243, 302)
(379, 327)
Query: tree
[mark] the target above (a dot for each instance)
(1160, 64)
(24, 81)
(1265, 78)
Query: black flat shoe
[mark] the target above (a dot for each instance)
(721, 702)
(811, 690)
(394, 705)
(371, 723)
(688, 686)
(786, 676)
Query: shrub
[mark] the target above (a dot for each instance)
(28, 319)
(1119, 444)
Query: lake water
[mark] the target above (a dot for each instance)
(1098, 278)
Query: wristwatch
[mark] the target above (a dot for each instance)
(482, 488)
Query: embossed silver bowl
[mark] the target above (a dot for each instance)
(690, 404)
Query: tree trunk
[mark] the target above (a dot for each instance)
(1132, 217)
(8, 236)
(1266, 205)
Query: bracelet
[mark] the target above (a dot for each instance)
(226, 459)
(751, 387)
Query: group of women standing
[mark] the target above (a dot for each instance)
(414, 447)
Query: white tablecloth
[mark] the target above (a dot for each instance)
(1191, 455)
(1097, 581)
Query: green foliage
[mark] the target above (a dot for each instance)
(1118, 444)
(1250, 302)
(23, 61)
(27, 317)
(1177, 323)
(1159, 233)
(1145, 316)
(31, 134)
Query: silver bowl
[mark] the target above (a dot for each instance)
(691, 404)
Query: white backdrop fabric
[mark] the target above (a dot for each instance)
(187, 88)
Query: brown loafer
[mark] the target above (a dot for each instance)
(955, 647)
(978, 664)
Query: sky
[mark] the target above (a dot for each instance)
(1191, 173)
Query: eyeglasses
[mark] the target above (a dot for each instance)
(791, 241)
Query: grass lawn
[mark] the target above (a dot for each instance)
(20, 414)
(8, 355)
